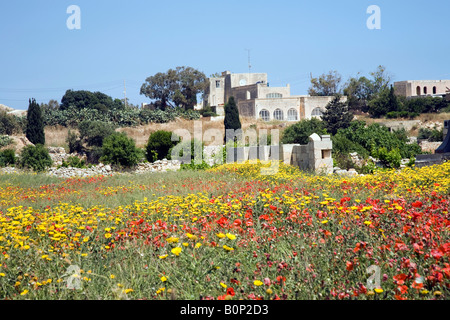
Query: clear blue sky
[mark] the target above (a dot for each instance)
(131, 40)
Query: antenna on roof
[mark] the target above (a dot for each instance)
(249, 61)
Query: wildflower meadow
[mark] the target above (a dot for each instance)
(229, 233)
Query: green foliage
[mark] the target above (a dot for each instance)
(75, 144)
(364, 140)
(386, 102)
(391, 159)
(129, 117)
(431, 135)
(5, 141)
(158, 145)
(36, 158)
(300, 132)
(94, 132)
(424, 104)
(94, 154)
(401, 114)
(89, 100)
(7, 157)
(120, 150)
(337, 115)
(195, 167)
(175, 88)
(9, 124)
(326, 84)
(35, 124)
(74, 162)
(232, 121)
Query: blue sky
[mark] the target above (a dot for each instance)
(131, 40)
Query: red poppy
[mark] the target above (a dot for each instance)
(230, 291)
(349, 266)
(400, 279)
(417, 204)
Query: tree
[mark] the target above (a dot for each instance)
(300, 132)
(337, 115)
(231, 117)
(90, 100)
(35, 123)
(94, 132)
(175, 88)
(361, 90)
(159, 145)
(121, 150)
(326, 84)
(386, 102)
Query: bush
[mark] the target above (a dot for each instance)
(74, 142)
(5, 141)
(431, 135)
(9, 124)
(7, 158)
(35, 157)
(391, 159)
(74, 162)
(120, 150)
(94, 132)
(300, 132)
(159, 144)
(362, 139)
(94, 154)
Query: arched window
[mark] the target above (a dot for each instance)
(418, 91)
(425, 90)
(278, 114)
(292, 115)
(264, 115)
(317, 112)
(434, 90)
(274, 96)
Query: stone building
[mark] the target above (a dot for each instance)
(422, 88)
(255, 98)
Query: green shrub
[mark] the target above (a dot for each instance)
(7, 158)
(93, 155)
(5, 141)
(118, 149)
(391, 159)
(159, 144)
(75, 144)
(300, 132)
(35, 124)
(195, 167)
(431, 135)
(74, 162)
(9, 124)
(35, 157)
(94, 132)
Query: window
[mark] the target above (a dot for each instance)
(418, 91)
(317, 112)
(274, 96)
(292, 115)
(264, 115)
(434, 90)
(278, 115)
(217, 83)
(425, 90)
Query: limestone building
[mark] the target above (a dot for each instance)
(421, 88)
(255, 98)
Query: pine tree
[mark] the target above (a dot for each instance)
(231, 116)
(35, 124)
(337, 115)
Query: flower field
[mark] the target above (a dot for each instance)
(227, 234)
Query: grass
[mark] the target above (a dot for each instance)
(228, 233)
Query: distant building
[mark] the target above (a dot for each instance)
(255, 98)
(422, 88)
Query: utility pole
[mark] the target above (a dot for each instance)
(125, 93)
(249, 62)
